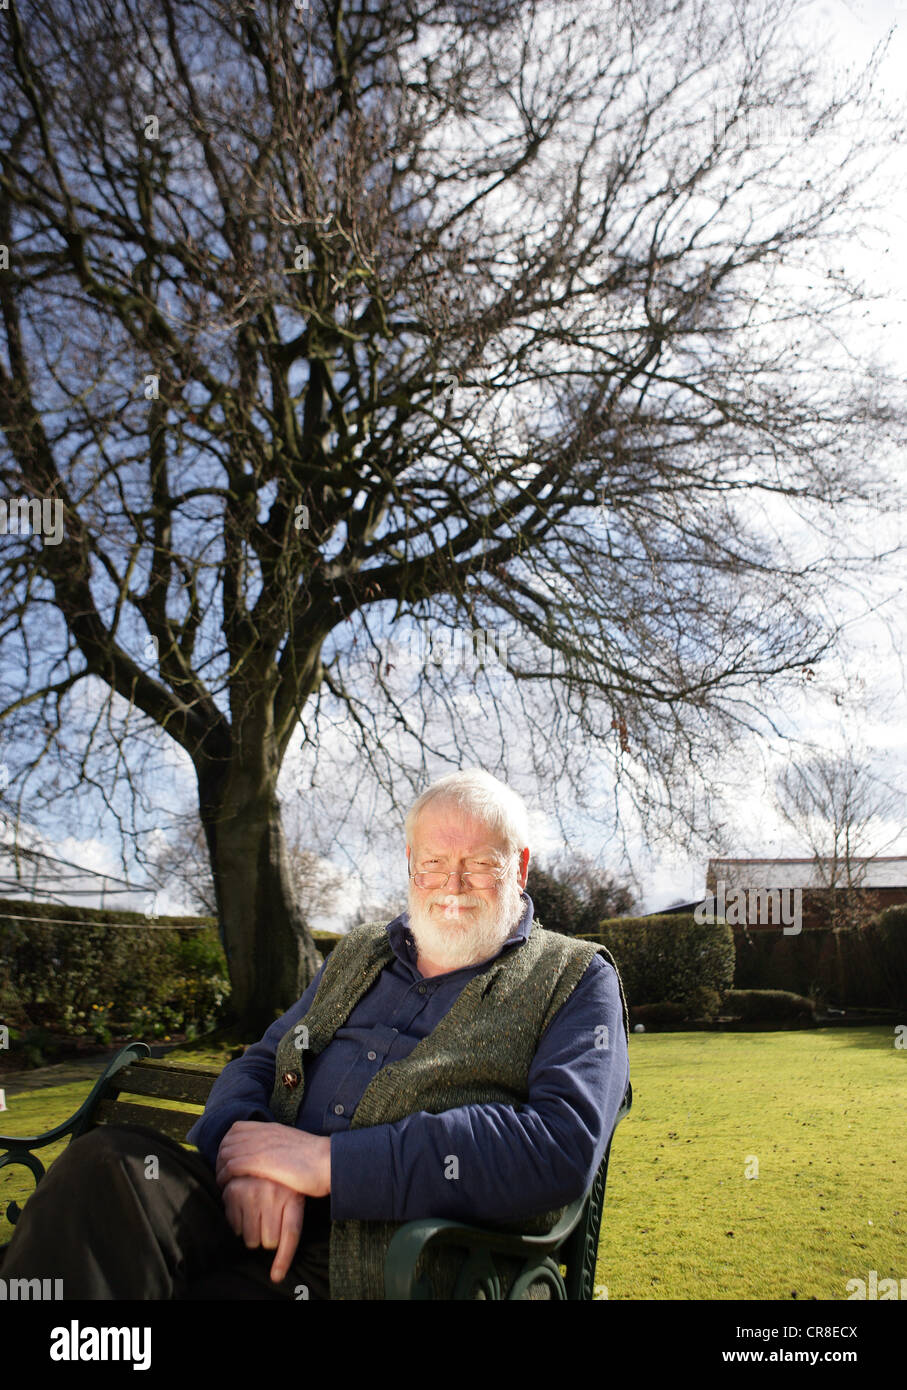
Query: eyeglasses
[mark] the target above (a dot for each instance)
(469, 879)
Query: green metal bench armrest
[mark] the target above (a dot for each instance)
(414, 1237)
(18, 1148)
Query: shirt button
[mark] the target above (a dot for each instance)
(338, 1109)
(395, 1030)
(372, 1056)
(422, 989)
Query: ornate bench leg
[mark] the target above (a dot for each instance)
(25, 1160)
(544, 1272)
(480, 1274)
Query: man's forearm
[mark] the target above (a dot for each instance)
(282, 1154)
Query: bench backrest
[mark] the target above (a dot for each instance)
(157, 1081)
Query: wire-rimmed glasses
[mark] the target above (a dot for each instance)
(469, 878)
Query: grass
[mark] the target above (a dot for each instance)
(34, 1108)
(821, 1111)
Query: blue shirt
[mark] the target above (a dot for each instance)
(511, 1162)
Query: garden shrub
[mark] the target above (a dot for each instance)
(850, 967)
(767, 1005)
(888, 936)
(93, 978)
(653, 1014)
(703, 1002)
(670, 958)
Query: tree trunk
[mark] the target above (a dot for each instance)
(271, 955)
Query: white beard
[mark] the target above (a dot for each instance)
(452, 939)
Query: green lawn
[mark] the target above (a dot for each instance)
(823, 1111)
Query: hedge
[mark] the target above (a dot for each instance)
(844, 966)
(671, 959)
(146, 978)
(87, 978)
(753, 1005)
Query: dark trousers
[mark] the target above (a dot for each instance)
(109, 1231)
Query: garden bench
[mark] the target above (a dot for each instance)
(572, 1243)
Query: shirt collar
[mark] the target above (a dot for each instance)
(404, 947)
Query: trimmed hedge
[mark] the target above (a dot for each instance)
(90, 978)
(95, 979)
(651, 1015)
(844, 966)
(754, 1005)
(670, 959)
(888, 933)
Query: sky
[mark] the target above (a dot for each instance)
(861, 697)
(875, 718)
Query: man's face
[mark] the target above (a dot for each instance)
(456, 926)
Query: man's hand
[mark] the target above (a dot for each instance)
(266, 1213)
(292, 1157)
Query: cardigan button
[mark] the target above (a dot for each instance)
(291, 1079)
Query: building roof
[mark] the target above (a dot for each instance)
(881, 872)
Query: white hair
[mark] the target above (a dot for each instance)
(481, 795)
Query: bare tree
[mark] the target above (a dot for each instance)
(184, 861)
(374, 909)
(321, 322)
(573, 894)
(318, 884)
(841, 810)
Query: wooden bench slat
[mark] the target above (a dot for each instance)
(174, 1123)
(169, 1084)
(189, 1068)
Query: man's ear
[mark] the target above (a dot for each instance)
(524, 867)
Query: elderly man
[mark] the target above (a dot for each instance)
(458, 1062)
